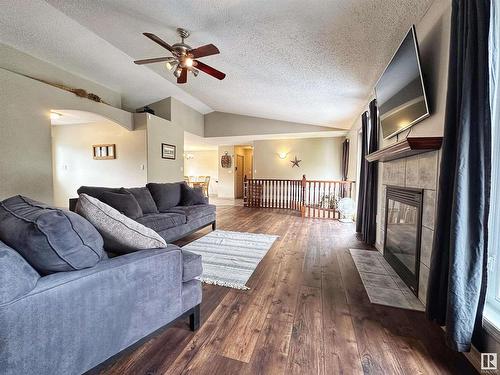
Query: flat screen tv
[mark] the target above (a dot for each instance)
(400, 91)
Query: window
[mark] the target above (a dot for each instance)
(492, 308)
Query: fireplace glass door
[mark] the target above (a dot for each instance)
(402, 233)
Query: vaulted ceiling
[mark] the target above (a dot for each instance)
(310, 62)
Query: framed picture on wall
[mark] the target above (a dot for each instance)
(104, 152)
(167, 151)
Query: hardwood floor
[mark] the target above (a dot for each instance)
(306, 313)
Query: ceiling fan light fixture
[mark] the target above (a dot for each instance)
(184, 59)
(177, 71)
(170, 64)
(188, 62)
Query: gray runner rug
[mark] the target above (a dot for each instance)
(230, 258)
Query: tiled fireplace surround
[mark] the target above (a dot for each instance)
(419, 171)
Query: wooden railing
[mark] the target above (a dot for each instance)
(312, 198)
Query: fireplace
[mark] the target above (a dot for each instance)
(403, 230)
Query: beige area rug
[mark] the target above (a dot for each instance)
(230, 258)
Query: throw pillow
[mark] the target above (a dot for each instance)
(166, 196)
(191, 197)
(121, 234)
(50, 239)
(144, 198)
(124, 202)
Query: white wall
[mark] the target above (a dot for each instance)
(20, 62)
(321, 158)
(203, 163)
(225, 187)
(74, 165)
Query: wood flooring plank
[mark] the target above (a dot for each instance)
(312, 264)
(376, 357)
(240, 343)
(341, 348)
(271, 351)
(290, 277)
(306, 344)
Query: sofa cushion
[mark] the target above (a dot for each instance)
(124, 202)
(51, 240)
(191, 265)
(191, 197)
(163, 221)
(17, 277)
(96, 191)
(165, 196)
(144, 198)
(121, 234)
(194, 212)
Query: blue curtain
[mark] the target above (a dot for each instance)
(457, 280)
(367, 201)
(362, 173)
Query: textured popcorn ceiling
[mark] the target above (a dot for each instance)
(311, 61)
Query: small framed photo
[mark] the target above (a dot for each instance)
(167, 151)
(104, 152)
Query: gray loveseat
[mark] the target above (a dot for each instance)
(169, 209)
(65, 306)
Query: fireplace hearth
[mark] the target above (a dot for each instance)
(403, 230)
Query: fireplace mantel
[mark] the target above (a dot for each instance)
(407, 147)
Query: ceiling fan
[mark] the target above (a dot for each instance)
(183, 59)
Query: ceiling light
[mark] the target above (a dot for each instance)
(283, 155)
(170, 64)
(195, 72)
(188, 62)
(55, 115)
(177, 71)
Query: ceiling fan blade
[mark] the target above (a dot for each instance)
(150, 61)
(203, 51)
(209, 70)
(162, 43)
(183, 77)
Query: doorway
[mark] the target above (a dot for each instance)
(240, 175)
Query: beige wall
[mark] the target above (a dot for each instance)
(221, 124)
(25, 104)
(433, 34)
(161, 131)
(225, 187)
(203, 163)
(184, 116)
(74, 165)
(321, 158)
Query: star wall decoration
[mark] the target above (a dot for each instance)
(295, 162)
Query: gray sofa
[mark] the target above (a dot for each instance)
(68, 322)
(164, 208)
